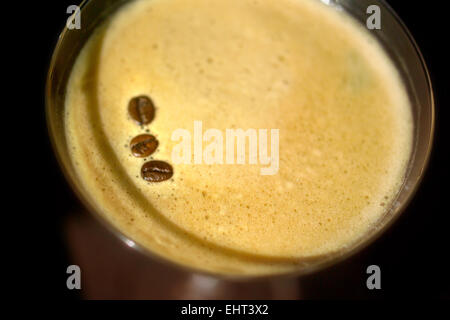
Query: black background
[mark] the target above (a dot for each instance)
(412, 254)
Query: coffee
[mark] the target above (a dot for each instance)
(143, 145)
(343, 114)
(142, 109)
(156, 171)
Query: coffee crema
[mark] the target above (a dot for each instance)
(343, 114)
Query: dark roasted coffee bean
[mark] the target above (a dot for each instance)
(143, 145)
(141, 109)
(156, 171)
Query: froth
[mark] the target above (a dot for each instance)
(298, 66)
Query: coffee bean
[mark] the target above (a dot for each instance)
(156, 171)
(141, 109)
(143, 145)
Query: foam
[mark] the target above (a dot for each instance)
(298, 66)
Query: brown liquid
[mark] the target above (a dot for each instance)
(294, 65)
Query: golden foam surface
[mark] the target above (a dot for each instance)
(293, 65)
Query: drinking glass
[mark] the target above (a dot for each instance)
(394, 38)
